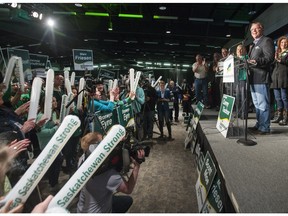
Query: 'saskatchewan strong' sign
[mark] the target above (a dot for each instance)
(225, 113)
(83, 59)
(24, 187)
(88, 168)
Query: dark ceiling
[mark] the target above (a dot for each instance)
(195, 28)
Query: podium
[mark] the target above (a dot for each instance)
(234, 78)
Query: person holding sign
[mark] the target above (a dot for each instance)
(261, 56)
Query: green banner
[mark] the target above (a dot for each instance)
(197, 113)
(38, 61)
(125, 114)
(214, 201)
(205, 180)
(106, 120)
(24, 54)
(83, 59)
(225, 114)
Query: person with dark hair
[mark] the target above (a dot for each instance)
(176, 91)
(261, 56)
(149, 109)
(98, 195)
(164, 96)
(280, 81)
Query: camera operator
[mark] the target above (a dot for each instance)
(98, 195)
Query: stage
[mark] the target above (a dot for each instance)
(255, 177)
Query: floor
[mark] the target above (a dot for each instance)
(166, 182)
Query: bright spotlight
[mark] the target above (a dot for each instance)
(35, 14)
(14, 5)
(50, 22)
(40, 16)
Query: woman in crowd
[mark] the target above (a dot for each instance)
(280, 81)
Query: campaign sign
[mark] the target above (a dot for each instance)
(106, 121)
(205, 180)
(83, 59)
(38, 61)
(197, 113)
(214, 201)
(125, 114)
(225, 114)
(106, 74)
(228, 70)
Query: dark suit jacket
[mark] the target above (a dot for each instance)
(163, 106)
(263, 52)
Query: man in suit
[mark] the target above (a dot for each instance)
(261, 55)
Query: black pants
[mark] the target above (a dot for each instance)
(121, 204)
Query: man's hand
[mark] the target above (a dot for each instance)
(24, 108)
(42, 207)
(15, 147)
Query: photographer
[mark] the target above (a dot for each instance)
(98, 195)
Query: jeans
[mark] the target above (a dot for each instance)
(121, 204)
(164, 114)
(261, 100)
(281, 98)
(201, 85)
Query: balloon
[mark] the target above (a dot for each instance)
(88, 168)
(110, 84)
(63, 107)
(72, 79)
(21, 74)
(49, 94)
(80, 96)
(157, 81)
(115, 84)
(35, 97)
(131, 76)
(68, 86)
(24, 187)
(9, 70)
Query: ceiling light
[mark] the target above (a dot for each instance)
(13, 5)
(78, 5)
(236, 21)
(96, 14)
(165, 17)
(50, 22)
(150, 42)
(131, 15)
(162, 8)
(228, 35)
(110, 27)
(40, 16)
(252, 12)
(201, 19)
(192, 45)
(168, 32)
(35, 14)
(85, 40)
(64, 13)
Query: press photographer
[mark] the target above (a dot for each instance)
(98, 195)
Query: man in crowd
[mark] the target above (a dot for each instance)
(261, 56)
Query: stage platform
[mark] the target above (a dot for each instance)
(255, 177)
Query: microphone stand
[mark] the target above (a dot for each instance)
(245, 141)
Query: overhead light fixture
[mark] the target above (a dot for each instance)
(150, 42)
(165, 17)
(228, 35)
(65, 13)
(14, 5)
(78, 4)
(40, 16)
(168, 32)
(137, 16)
(35, 14)
(110, 40)
(162, 7)
(96, 14)
(50, 22)
(201, 19)
(110, 27)
(192, 45)
(85, 40)
(253, 10)
(236, 21)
